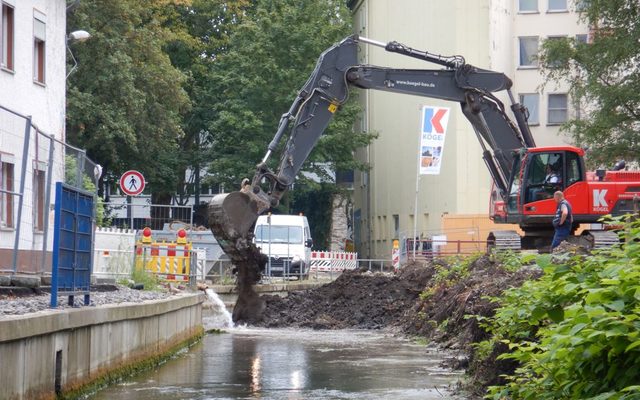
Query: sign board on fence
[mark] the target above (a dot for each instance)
(132, 183)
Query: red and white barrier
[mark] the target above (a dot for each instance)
(325, 261)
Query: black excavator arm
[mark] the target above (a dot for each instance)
(231, 216)
(337, 69)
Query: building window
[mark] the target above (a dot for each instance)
(557, 5)
(532, 102)
(528, 51)
(582, 38)
(396, 226)
(557, 108)
(581, 5)
(39, 48)
(38, 200)
(525, 6)
(6, 199)
(6, 36)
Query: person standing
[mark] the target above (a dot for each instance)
(562, 221)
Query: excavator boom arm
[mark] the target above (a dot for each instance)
(337, 69)
(231, 216)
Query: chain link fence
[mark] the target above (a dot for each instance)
(31, 162)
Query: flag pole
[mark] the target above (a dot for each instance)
(415, 203)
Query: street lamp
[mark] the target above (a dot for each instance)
(76, 36)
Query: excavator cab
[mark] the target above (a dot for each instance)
(544, 176)
(537, 173)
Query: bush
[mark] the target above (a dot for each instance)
(148, 279)
(575, 332)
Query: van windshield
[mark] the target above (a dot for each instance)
(279, 234)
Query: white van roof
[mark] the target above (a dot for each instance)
(279, 219)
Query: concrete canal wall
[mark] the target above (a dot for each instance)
(229, 293)
(59, 351)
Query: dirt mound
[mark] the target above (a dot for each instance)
(436, 300)
(357, 299)
(444, 310)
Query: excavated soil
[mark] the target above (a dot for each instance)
(357, 299)
(364, 300)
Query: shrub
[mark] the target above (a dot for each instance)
(575, 332)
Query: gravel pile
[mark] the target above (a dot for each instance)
(24, 305)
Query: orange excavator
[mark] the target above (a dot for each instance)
(518, 168)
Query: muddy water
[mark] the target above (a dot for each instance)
(294, 364)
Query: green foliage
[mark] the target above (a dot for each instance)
(71, 177)
(421, 341)
(125, 100)
(202, 30)
(576, 331)
(148, 279)
(512, 261)
(167, 85)
(314, 201)
(270, 55)
(603, 77)
(455, 269)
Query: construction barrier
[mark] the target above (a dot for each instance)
(331, 261)
(113, 252)
(170, 261)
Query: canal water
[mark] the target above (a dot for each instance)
(294, 364)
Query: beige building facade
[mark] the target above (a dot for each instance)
(501, 35)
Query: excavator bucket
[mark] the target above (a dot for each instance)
(232, 215)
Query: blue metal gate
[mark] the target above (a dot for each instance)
(72, 244)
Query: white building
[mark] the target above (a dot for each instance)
(32, 84)
(501, 35)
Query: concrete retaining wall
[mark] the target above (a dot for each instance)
(65, 349)
(229, 293)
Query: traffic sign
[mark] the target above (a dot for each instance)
(132, 183)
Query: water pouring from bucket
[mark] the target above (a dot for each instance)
(221, 317)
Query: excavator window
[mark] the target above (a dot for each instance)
(544, 176)
(516, 184)
(574, 170)
(278, 234)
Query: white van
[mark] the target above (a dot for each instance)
(286, 240)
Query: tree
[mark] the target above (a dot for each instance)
(269, 57)
(603, 77)
(204, 27)
(126, 100)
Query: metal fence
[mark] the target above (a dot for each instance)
(31, 162)
(426, 249)
(133, 215)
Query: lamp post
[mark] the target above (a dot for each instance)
(75, 36)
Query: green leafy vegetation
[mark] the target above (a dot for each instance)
(71, 177)
(144, 277)
(575, 332)
(125, 101)
(269, 57)
(454, 269)
(170, 86)
(602, 70)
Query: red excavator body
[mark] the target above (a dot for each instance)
(592, 194)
